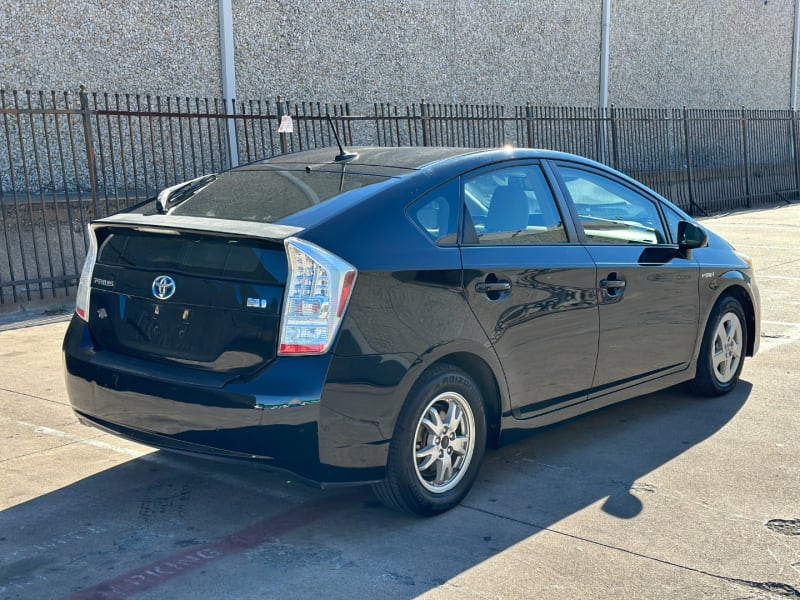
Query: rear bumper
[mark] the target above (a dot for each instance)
(277, 418)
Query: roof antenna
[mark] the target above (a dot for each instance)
(342, 156)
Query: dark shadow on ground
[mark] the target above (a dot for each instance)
(98, 537)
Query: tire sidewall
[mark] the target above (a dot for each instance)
(401, 454)
(706, 375)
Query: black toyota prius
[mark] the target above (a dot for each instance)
(382, 316)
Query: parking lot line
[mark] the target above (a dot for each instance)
(780, 323)
(779, 277)
(82, 440)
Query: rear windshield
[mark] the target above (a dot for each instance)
(268, 195)
(218, 258)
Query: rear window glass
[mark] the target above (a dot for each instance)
(267, 195)
(196, 255)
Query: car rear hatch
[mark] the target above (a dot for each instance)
(185, 291)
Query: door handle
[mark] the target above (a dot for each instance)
(485, 287)
(611, 284)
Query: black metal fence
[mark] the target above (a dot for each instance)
(68, 158)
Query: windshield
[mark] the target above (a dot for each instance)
(268, 195)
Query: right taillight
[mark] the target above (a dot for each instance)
(85, 283)
(317, 290)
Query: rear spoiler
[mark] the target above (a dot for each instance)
(217, 227)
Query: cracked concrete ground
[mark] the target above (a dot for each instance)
(666, 495)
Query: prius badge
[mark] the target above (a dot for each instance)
(163, 287)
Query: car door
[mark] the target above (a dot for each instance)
(530, 285)
(647, 291)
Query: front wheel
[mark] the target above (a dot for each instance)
(438, 444)
(722, 353)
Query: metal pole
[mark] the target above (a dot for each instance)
(795, 56)
(228, 76)
(605, 34)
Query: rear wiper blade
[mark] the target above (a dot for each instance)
(169, 197)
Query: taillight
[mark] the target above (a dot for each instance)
(317, 290)
(85, 283)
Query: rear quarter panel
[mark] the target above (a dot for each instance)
(407, 312)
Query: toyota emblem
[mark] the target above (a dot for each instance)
(163, 287)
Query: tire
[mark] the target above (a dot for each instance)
(722, 353)
(438, 444)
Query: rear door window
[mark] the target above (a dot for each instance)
(513, 205)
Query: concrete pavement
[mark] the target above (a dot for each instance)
(666, 495)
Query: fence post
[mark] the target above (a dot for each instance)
(86, 117)
(282, 135)
(231, 137)
(614, 140)
(601, 134)
(349, 123)
(689, 170)
(794, 151)
(746, 152)
(529, 124)
(426, 132)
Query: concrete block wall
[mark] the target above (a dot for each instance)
(714, 53)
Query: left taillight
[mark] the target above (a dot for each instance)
(85, 283)
(317, 291)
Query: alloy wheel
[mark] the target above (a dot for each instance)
(727, 349)
(444, 442)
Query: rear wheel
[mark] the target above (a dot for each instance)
(438, 444)
(723, 350)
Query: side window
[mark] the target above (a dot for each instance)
(513, 205)
(436, 213)
(610, 212)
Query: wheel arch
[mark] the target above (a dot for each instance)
(739, 292)
(487, 383)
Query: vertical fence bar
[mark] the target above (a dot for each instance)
(100, 152)
(53, 199)
(111, 152)
(77, 174)
(425, 121)
(689, 168)
(122, 154)
(28, 188)
(37, 163)
(748, 184)
(88, 137)
(181, 137)
(143, 145)
(67, 201)
(614, 138)
(12, 181)
(190, 132)
(281, 134)
(151, 131)
(795, 154)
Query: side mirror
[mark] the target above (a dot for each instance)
(690, 236)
